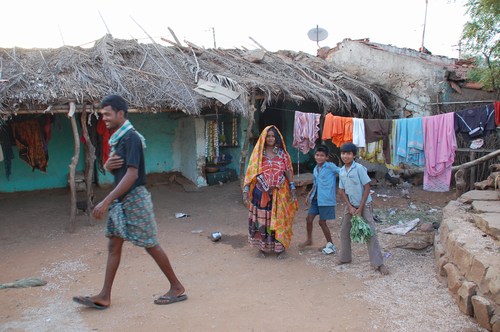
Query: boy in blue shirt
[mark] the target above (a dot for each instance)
(354, 185)
(321, 198)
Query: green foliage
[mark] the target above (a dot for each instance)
(481, 37)
(360, 230)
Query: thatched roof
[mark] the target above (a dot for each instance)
(153, 77)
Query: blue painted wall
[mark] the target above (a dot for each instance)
(158, 129)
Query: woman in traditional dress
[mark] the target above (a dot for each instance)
(269, 192)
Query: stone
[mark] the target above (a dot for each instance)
(489, 223)
(412, 240)
(464, 297)
(427, 227)
(441, 262)
(495, 323)
(486, 206)
(483, 311)
(479, 266)
(478, 195)
(492, 283)
(453, 276)
(438, 248)
(462, 258)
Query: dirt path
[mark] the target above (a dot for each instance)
(228, 287)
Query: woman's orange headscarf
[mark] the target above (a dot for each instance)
(283, 207)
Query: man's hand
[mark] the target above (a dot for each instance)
(100, 210)
(113, 162)
(352, 210)
(308, 200)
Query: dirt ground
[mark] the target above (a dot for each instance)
(229, 288)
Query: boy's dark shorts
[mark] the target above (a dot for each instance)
(325, 212)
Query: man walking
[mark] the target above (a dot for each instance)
(129, 206)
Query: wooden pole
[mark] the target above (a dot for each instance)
(248, 135)
(89, 165)
(72, 168)
(472, 178)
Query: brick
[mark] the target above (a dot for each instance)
(492, 283)
(464, 297)
(483, 311)
(479, 265)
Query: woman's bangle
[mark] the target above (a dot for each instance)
(292, 185)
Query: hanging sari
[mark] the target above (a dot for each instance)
(271, 208)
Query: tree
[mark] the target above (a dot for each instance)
(481, 39)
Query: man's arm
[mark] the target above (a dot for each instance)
(121, 188)
(344, 197)
(366, 192)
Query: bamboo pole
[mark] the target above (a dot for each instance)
(72, 168)
(89, 165)
(248, 135)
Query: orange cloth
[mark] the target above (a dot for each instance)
(327, 127)
(342, 130)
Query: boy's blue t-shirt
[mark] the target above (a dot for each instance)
(325, 184)
(353, 182)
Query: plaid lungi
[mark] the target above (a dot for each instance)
(133, 219)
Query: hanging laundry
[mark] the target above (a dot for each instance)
(476, 122)
(373, 152)
(31, 145)
(496, 106)
(409, 142)
(358, 132)
(305, 131)
(341, 130)
(327, 127)
(6, 143)
(105, 134)
(440, 145)
(379, 129)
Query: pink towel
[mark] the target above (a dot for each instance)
(440, 144)
(305, 131)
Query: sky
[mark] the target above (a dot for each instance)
(274, 24)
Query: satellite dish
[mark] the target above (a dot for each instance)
(317, 34)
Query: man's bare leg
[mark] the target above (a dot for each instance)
(161, 258)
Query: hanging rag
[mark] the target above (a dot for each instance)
(342, 130)
(409, 142)
(305, 131)
(440, 144)
(358, 132)
(476, 122)
(327, 127)
(379, 129)
(496, 106)
(31, 145)
(6, 143)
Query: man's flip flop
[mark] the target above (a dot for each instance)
(86, 301)
(170, 299)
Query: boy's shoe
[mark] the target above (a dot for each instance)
(329, 249)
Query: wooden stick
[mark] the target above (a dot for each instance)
(248, 135)
(72, 169)
(175, 37)
(262, 47)
(477, 161)
(89, 165)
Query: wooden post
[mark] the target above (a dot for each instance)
(472, 178)
(89, 164)
(72, 167)
(248, 135)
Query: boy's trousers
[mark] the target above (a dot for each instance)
(374, 252)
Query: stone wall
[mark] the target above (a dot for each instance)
(467, 252)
